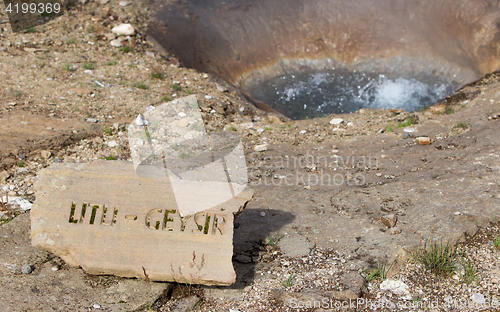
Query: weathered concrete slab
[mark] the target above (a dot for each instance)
(105, 218)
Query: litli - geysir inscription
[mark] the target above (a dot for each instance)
(177, 198)
(156, 219)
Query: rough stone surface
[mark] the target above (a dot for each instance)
(46, 154)
(261, 148)
(186, 304)
(4, 175)
(288, 299)
(395, 230)
(389, 220)
(105, 218)
(116, 43)
(355, 283)
(396, 287)
(15, 138)
(295, 245)
(123, 29)
(343, 295)
(336, 121)
(437, 109)
(26, 269)
(423, 140)
(18, 203)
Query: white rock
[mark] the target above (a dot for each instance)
(409, 130)
(15, 202)
(123, 29)
(116, 43)
(104, 1)
(88, 71)
(123, 3)
(336, 121)
(182, 115)
(260, 148)
(208, 97)
(249, 125)
(478, 298)
(141, 121)
(396, 287)
(221, 88)
(112, 144)
(109, 36)
(46, 154)
(350, 124)
(302, 132)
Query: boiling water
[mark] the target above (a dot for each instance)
(317, 94)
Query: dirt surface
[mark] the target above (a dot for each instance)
(446, 190)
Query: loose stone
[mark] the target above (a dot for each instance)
(26, 269)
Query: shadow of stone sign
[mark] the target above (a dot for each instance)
(251, 235)
(167, 220)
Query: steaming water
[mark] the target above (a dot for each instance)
(316, 94)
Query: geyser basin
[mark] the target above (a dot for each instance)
(310, 94)
(429, 46)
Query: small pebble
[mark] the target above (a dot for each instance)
(336, 121)
(262, 214)
(26, 269)
(261, 148)
(395, 230)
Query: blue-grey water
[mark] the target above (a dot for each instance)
(319, 93)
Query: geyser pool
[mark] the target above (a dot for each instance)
(315, 94)
(394, 54)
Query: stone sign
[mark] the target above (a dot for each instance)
(167, 216)
(105, 218)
